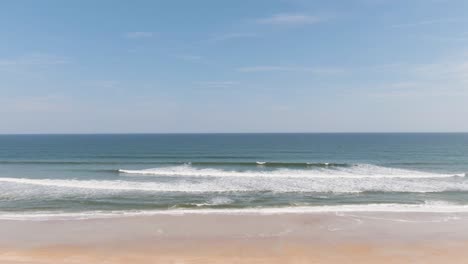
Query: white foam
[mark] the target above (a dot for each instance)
(216, 201)
(12, 188)
(357, 171)
(117, 185)
(396, 208)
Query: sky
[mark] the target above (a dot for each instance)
(233, 66)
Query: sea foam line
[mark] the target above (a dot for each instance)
(357, 171)
(377, 208)
(19, 187)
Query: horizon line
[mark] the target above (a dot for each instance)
(234, 133)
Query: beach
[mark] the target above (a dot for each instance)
(238, 132)
(234, 198)
(360, 237)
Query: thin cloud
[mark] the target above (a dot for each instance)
(34, 104)
(104, 84)
(231, 36)
(314, 70)
(36, 59)
(427, 22)
(290, 19)
(139, 34)
(454, 71)
(448, 77)
(217, 84)
(189, 57)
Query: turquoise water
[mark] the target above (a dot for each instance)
(47, 175)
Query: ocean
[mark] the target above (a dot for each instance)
(90, 176)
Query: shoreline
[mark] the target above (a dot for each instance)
(385, 208)
(365, 237)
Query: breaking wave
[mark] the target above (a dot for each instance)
(13, 187)
(356, 171)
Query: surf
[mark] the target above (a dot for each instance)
(356, 171)
(339, 210)
(14, 188)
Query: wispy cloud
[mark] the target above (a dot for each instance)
(427, 22)
(290, 19)
(230, 36)
(36, 59)
(103, 84)
(454, 71)
(217, 84)
(314, 70)
(34, 104)
(139, 34)
(189, 57)
(448, 77)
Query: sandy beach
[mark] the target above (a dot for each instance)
(237, 132)
(241, 238)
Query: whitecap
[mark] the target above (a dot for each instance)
(358, 171)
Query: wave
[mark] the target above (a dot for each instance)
(395, 208)
(356, 171)
(195, 163)
(117, 185)
(272, 164)
(176, 156)
(216, 201)
(80, 162)
(12, 188)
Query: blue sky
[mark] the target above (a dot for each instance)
(233, 66)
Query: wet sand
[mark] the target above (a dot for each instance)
(219, 238)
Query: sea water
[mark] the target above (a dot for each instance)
(86, 176)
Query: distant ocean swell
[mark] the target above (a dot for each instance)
(198, 163)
